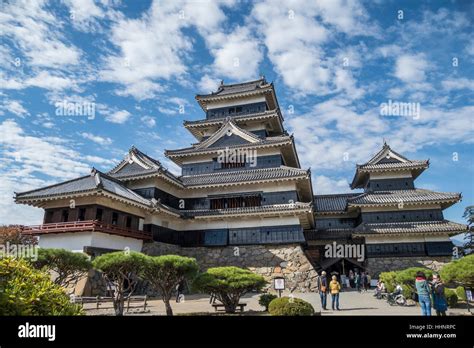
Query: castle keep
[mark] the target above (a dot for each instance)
(243, 199)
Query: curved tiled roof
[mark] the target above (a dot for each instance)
(410, 227)
(94, 182)
(230, 177)
(270, 141)
(238, 118)
(297, 206)
(404, 196)
(394, 165)
(332, 203)
(249, 86)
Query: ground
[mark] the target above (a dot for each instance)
(351, 303)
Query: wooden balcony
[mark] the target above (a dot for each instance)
(85, 226)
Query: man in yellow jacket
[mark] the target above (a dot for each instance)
(334, 288)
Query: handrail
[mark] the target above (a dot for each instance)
(83, 226)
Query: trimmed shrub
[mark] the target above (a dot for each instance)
(459, 271)
(389, 280)
(122, 269)
(451, 297)
(25, 290)
(286, 306)
(166, 272)
(265, 300)
(228, 284)
(68, 266)
(461, 293)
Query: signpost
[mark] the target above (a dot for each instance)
(279, 284)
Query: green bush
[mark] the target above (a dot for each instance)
(265, 300)
(25, 290)
(451, 297)
(122, 269)
(286, 306)
(389, 280)
(228, 284)
(459, 271)
(166, 272)
(406, 278)
(461, 293)
(68, 266)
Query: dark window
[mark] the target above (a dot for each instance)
(49, 217)
(82, 214)
(65, 215)
(98, 214)
(128, 222)
(114, 218)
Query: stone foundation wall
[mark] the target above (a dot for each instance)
(385, 264)
(266, 260)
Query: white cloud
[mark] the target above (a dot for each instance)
(411, 68)
(325, 185)
(51, 81)
(236, 55)
(296, 35)
(458, 83)
(84, 14)
(119, 117)
(28, 162)
(96, 138)
(37, 33)
(151, 48)
(149, 121)
(13, 106)
(335, 136)
(207, 84)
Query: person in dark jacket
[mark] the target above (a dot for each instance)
(440, 304)
(423, 290)
(357, 281)
(323, 289)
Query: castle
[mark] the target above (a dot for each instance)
(242, 188)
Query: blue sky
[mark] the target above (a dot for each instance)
(141, 63)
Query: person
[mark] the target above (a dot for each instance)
(179, 291)
(380, 289)
(423, 291)
(440, 304)
(335, 288)
(351, 278)
(357, 281)
(363, 280)
(369, 279)
(323, 289)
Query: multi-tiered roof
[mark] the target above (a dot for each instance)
(385, 166)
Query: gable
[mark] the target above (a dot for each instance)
(229, 140)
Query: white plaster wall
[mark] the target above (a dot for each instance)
(385, 175)
(76, 241)
(238, 222)
(247, 100)
(406, 239)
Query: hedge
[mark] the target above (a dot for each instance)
(286, 306)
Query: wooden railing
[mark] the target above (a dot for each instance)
(85, 226)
